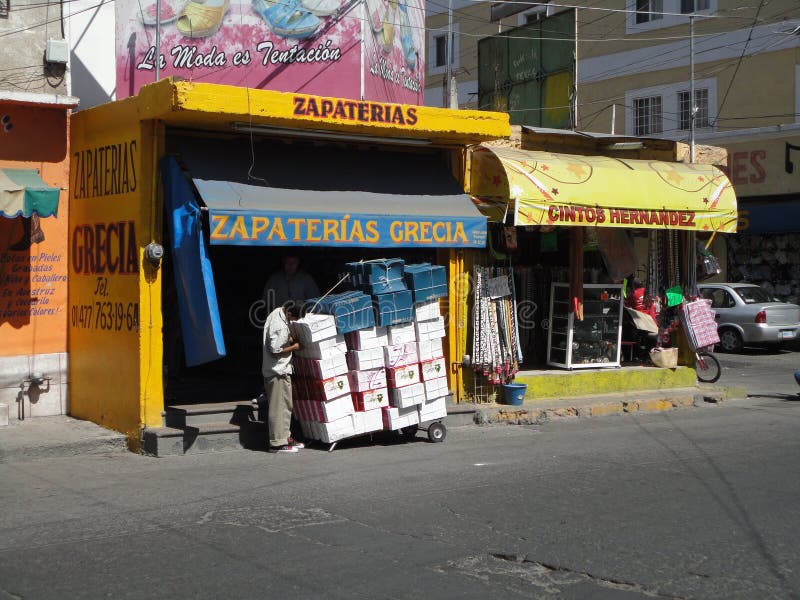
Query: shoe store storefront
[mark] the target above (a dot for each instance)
(583, 234)
(187, 198)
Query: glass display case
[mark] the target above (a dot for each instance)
(593, 342)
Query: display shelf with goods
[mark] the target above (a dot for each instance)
(589, 343)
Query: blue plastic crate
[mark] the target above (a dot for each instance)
(393, 308)
(351, 310)
(426, 281)
(377, 276)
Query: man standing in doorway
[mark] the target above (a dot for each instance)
(276, 367)
(289, 283)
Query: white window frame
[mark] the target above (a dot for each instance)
(442, 32)
(708, 109)
(668, 20)
(696, 2)
(546, 10)
(661, 115)
(670, 106)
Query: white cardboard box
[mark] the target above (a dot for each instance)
(403, 333)
(433, 369)
(400, 355)
(335, 430)
(409, 395)
(370, 399)
(333, 387)
(430, 349)
(403, 376)
(428, 330)
(325, 368)
(397, 418)
(364, 360)
(366, 339)
(425, 311)
(372, 379)
(313, 328)
(336, 408)
(323, 348)
(432, 409)
(436, 388)
(367, 421)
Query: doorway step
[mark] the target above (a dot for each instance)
(207, 427)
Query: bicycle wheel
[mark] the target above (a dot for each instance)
(707, 367)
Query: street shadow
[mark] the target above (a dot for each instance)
(786, 397)
(375, 438)
(737, 512)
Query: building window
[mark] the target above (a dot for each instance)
(691, 6)
(440, 50)
(649, 10)
(436, 50)
(647, 118)
(685, 109)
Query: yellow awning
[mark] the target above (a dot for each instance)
(543, 188)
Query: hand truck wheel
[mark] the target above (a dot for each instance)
(437, 432)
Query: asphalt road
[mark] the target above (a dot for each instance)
(696, 503)
(763, 372)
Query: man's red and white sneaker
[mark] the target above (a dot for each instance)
(285, 449)
(296, 444)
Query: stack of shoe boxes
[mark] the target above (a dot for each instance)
(359, 373)
(321, 388)
(367, 376)
(429, 327)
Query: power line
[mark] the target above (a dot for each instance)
(739, 63)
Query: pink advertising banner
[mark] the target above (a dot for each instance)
(361, 49)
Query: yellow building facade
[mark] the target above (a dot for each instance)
(116, 335)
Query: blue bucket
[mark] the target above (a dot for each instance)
(514, 393)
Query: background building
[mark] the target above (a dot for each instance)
(633, 73)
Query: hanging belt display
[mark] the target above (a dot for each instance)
(496, 349)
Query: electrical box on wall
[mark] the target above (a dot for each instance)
(57, 51)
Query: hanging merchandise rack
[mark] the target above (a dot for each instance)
(496, 348)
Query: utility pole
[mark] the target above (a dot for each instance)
(448, 99)
(575, 75)
(692, 103)
(158, 40)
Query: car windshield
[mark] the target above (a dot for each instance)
(753, 295)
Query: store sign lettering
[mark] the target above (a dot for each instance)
(747, 167)
(345, 230)
(349, 110)
(105, 170)
(105, 248)
(625, 216)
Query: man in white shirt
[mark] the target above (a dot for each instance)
(276, 367)
(290, 283)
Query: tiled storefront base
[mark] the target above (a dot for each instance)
(26, 399)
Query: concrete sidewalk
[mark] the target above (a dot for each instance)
(62, 436)
(532, 412)
(50, 437)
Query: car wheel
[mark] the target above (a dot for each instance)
(730, 340)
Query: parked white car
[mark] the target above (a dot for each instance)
(748, 315)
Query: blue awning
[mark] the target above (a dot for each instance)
(251, 215)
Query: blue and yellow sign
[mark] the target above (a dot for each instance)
(280, 228)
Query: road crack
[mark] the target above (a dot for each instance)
(617, 584)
